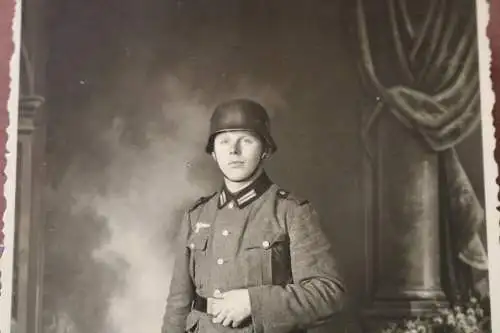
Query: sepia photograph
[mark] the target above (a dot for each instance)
(251, 166)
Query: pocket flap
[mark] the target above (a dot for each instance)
(263, 241)
(197, 242)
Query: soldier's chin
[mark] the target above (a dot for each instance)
(237, 177)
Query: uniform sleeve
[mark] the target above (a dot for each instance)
(316, 293)
(181, 286)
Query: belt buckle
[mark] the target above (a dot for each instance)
(209, 305)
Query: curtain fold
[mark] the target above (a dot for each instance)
(434, 93)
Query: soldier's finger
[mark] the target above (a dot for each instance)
(223, 314)
(227, 321)
(236, 323)
(219, 318)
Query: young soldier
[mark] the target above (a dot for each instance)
(252, 257)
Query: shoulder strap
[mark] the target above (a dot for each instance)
(201, 201)
(284, 194)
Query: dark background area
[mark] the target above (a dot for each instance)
(130, 87)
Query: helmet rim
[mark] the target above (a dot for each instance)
(267, 140)
(241, 115)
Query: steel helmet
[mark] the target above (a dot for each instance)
(241, 114)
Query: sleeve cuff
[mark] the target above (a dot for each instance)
(256, 309)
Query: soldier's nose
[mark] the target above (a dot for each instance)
(235, 149)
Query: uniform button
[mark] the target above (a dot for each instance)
(265, 244)
(191, 246)
(225, 233)
(220, 261)
(231, 205)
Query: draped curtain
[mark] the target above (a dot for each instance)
(433, 90)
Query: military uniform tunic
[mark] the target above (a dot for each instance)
(262, 239)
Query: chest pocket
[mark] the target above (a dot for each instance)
(197, 244)
(267, 257)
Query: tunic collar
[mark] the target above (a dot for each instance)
(247, 195)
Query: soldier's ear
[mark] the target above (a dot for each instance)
(266, 154)
(213, 156)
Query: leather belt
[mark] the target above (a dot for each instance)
(200, 303)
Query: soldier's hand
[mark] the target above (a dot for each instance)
(231, 308)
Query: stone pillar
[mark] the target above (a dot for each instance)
(406, 272)
(28, 245)
(29, 229)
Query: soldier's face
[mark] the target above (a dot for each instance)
(237, 154)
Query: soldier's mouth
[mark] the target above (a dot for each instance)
(236, 164)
